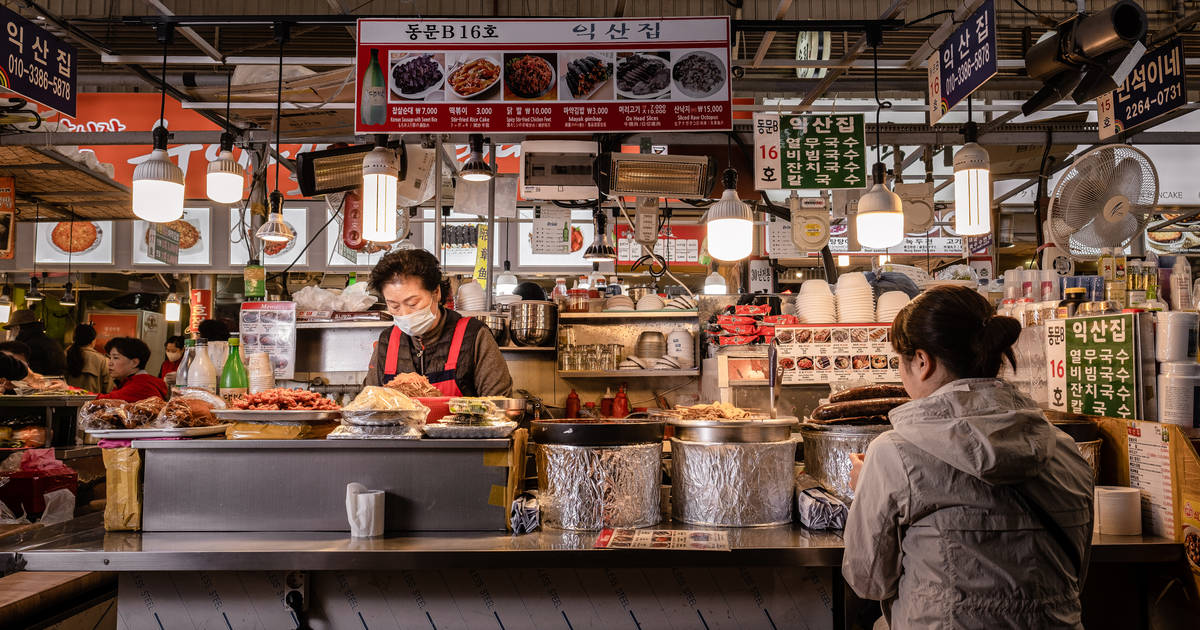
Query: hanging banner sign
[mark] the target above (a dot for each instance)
(35, 64)
(200, 306)
(1092, 365)
(965, 61)
(481, 255)
(546, 75)
(8, 216)
(1155, 86)
(809, 151)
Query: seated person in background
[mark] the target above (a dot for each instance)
(21, 352)
(86, 368)
(11, 369)
(127, 359)
(46, 355)
(174, 354)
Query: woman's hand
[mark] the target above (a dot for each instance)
(856, 464)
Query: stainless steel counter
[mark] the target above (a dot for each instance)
(82, 545)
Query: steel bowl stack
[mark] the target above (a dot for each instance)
(599, 474)
(532, 323)
(496, 323)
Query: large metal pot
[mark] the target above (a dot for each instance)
(498, 324)
(827, 450)
(532, 323)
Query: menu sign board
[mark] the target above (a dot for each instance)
(836, 353)
(1150, 471)
(270, 327)
(809, 151)
(677, 244)
(1092, 365)
(965, 61)
(551, 231)
(545, 75)
(1155, 86)
(36, 64)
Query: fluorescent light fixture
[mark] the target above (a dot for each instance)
(843, 260)
(714, 284)
(880, 218)
(972, 191)
(476, 169)
(275, 230)
(379, 195)
(158, 184)
(730, 224)
(173, 308)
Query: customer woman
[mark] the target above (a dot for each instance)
(127, 359)
(86, 368)
(974, 512)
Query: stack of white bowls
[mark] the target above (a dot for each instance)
(470, 297)
(855, 299)
(889, 304)
(815, 303)
(618, 303)
(650, 302)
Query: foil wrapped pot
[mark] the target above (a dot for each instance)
(593, 487)
(733, 473)
(827, 450)
(597, 474)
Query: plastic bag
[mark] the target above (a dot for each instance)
(104, 414)
(313, 298)
(373, 398)
(123, 506)
(143, 412)
(213, 400)
(490, 406)
(354, 298)
(818, 509)
(185, 412)
(60, 507)
(382, 432)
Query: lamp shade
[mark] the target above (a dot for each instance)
(225, 181)
(379, 195)
(476, 169)
(158, 189)
(880, 219)
(275, 230)
(714, 284)
(972, 191)
(172, 308)
(506, 283)
(730, 228)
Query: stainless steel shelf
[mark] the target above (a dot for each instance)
(527, 348)
(627, 373)
(628, 315)
(304, 325)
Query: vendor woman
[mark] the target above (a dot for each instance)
(457, 354)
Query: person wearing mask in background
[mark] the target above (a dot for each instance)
(458, 355)
(174, 353)
(87, 369)
(46, 356)
(127, 359)
(217, 334)
(974, 511)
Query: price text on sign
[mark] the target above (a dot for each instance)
(1155, 86)
(809, 152)
(546, 75)
(1091, 365)
(36, 64)
(965, 61)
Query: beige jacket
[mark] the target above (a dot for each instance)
(94, 377)
(935, 526)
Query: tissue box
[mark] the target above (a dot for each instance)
(26, 489)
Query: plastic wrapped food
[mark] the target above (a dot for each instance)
(489, 406)
(144, 411)
(185, 412)
(464, 431)
(472, 419)
(104, 414)
(383, 432)
(214, 401)
(373, 398)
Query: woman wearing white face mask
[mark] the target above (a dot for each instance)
(457, 354)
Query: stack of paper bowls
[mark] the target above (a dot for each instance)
(650, 302)
(619, 303)
(855, 299)
(889, 304)
(470, 297)
(815, 303)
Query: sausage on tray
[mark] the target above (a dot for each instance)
(857, 408)
(869, 392)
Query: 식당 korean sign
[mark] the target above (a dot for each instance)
(809, 151)
(965, 61)
(1092, 365)
(1155, 86)
(549, 75)
(36, 65)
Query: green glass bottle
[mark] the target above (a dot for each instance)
(234, 381)
(372, 105)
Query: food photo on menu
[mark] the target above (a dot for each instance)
(416, 76)
(473, 76)
(644, 75)
(530, 76)
(587, 76)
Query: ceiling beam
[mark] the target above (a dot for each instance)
(338, 8)
(619, 12)
(189, 33)
(943, 31)
(895, 8)
(769, 36)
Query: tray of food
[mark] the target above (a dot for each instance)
(867, 405)
(282, 406)
(383, 406)
(188, 414)
(279, 416)
(464, 431)
(129, 434)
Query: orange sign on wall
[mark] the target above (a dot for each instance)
(8, 211)
(200, 308)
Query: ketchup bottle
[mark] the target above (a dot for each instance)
(606, 404)
(572, 405)
(621, 404)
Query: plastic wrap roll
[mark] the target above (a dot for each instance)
(590, 488)
(732, 485)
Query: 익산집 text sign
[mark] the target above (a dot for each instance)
(809, 151)
(1092, 365)
(965, 61)
(36, 64)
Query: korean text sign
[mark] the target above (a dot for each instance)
(1155, 86)
(809, 151)
(1092, 365)
(36, 64)
(551, 75)
(965, 61)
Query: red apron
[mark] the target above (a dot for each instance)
(443, 380)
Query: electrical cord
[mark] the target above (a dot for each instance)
(332, 216)
(1035, 14)
(666, 270)
(931, 15)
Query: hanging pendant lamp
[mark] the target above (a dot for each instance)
(379, 193)
(601, 247)
(157, 181)
(226, 179)
(730, 223)
(476, 169)
(972, 184)
(173, 307)
(880, 218)
(275, 230)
